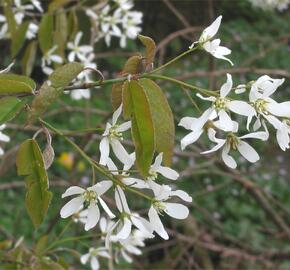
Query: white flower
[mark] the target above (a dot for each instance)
(158, 168)
(130, 23)
(19, 10)
(3, 138)
(197, 127)
(93, 255)
(4, 27)
(77, 51)
(271, 4)
(221, 105)
(124, 5)
(112, 137)
(48, 59)
(282, 134)
(37, 4)
(90, 196)
(176, 210)
(80, 94)
(233, 142)
(210, 45)
(128, 219)
(125, 177)
(32, 31)
(260, 93)
(131, 245)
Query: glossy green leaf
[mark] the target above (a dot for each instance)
(15, 84)
(142, 128)
(28, 59)
(63, 75)
(18, 38)
(45, 33)
(9, 108)
(30, 164)
(134, 65)
(150, 48)
(162, 119)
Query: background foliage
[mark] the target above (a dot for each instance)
(239, 220)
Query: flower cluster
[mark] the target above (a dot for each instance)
(217, 119)
(271, 4)
(20, 11)
(124, 230)
(116, 20)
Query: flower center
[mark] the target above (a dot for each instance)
(159, 207)
(114, 133)
(233, 141)
(152, 175)
(90, 195)
(221, 103)
(260, 106)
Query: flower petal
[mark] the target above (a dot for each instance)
(226, 122)
(95, 265)
(71, 207)
(228, 160)
(227, 86)
(248, 152)
(104, 150)
(101, 187)
(156, 223)
(93, 216)
(190, 138)
(73, 191)
(116, 115)
(187, 122)
(241, 108)
(123, 127)
(212, 29)
(126, 229)
(168, 172)
(176, 210)
(120, 152)
(182, 195)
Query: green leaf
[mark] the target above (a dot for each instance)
(41, 245)
(127, 101)
(134, 65)
(60, 34)
(72, 25)
(9, 108)
(162, 119)
(150, 48)
(63, 75)
(15, 84)
(30, 163)
(56, 4)
(29, 58)
(46, 96)
(18, 38)
(142, 128)
(8, 11)
(52, 89)
(45, 33)
(116, 95)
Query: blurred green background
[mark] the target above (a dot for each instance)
(238, 220)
